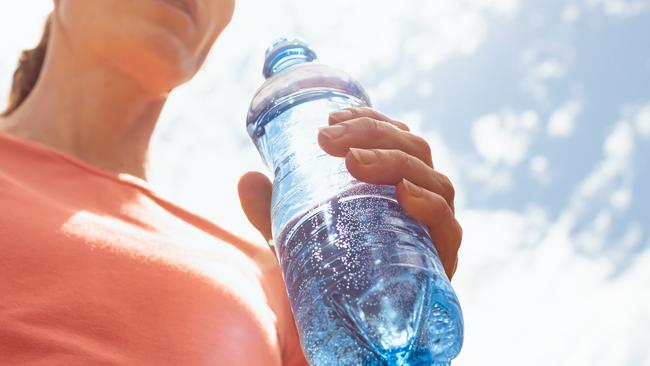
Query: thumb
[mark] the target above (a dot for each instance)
(254, 190)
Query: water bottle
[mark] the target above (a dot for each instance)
(364, 280)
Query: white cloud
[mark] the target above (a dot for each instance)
(549, 69)
(533, 298)
(502, 142)
(539, 169)
(24, 22)
(621, 199)
(534, 282)
(502, 6)
(562, 121)
(621, 8)
(388, 88)
(492, 178)
(615, 166)
(537, 20)
(643, 121)
(620, 143)
(504, 138)
(592, 238)
(544, 63)
(606, 190)
(515, 266)
(424, 89)
(571, 13)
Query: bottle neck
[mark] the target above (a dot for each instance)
(286, 57)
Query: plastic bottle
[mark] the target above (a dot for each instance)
(364, 280)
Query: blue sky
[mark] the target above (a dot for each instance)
(538, 111)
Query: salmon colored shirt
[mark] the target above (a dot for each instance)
(97, 269)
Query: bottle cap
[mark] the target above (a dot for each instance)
(285, 52)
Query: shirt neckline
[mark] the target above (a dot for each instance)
(138, 183)
(48, 150)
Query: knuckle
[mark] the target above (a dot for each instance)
(422, 146)
(356, 111)
(371, 127)
(403, 161)
(455, 244)
(448, 187)
(366, 110)
(439, 210)
(401, 125)
(371, 112)
(395, 163)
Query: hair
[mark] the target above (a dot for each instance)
(28, 71)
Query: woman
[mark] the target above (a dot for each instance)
(98, 269)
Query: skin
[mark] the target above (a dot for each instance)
(111, 65)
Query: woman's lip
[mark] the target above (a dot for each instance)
(189, 8)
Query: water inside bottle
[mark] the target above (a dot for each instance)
(356, 277)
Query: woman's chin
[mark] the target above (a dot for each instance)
(160, 65)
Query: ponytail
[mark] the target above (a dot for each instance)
(28, 70)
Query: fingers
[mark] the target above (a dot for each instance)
(432, 210)
(391, 166)
(352, 113)
(369, 133)
(381, 150)
(255, 198)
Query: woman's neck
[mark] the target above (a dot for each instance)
(84, 107)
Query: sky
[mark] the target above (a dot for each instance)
(539, 111)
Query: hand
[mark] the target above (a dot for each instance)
(255, 190)
(380, 150)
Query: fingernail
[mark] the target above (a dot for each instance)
(365, 157)
(412, 189)
(342, 115)
(333, 132)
